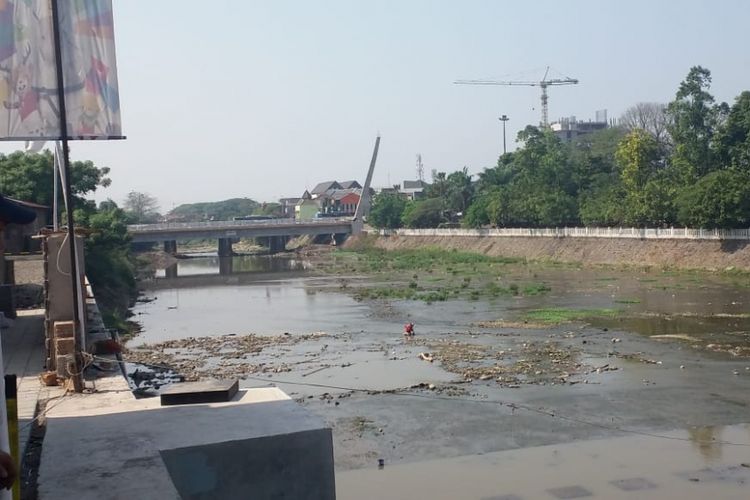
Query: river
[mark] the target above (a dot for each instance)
(675, 355)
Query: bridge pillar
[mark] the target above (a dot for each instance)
(170, 247)
(277, 244)
(225, 247)
(226, 265)
(171, 271)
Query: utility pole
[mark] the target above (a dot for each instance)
(504, 119)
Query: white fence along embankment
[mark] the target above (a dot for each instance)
(583, 232)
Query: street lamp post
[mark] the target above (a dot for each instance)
(504, 119)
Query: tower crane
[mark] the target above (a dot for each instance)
(543, 83)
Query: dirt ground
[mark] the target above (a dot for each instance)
(714, 255)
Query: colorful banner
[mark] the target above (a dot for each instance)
(29, 108)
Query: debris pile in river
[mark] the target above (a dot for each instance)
(528, 363)
(228, 356)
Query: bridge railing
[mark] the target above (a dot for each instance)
(584, 232)
(233, 224)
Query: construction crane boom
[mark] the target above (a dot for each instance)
(543, 83)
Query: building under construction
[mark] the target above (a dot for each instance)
(568, 129)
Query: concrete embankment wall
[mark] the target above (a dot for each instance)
(703, 254)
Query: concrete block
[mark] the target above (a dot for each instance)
(61, 362)
(205, 391)
(287, 466)
(65, 329)
(65, 346)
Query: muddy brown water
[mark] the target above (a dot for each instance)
(645, 383)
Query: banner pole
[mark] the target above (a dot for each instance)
(77, 376)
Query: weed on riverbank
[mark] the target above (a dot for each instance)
(431, 274)
(557, 315)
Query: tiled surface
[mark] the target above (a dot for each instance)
(619, 468)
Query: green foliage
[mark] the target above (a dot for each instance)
(219, 210)
(460, 191)
(271, 209)
(603, 205)
(649, 191)
(423, 213)
(718, 200)
(29, 177)
(387, 210)
(659, 169)
(733, 140)
(694, 120)
(110, 265)
(637, 156)
(562, 315)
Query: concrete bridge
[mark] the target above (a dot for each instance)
(273, 233)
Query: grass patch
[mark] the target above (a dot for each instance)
(424, 259)
(562, 315)
(536, 289)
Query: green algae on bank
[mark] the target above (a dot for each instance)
(556, 315)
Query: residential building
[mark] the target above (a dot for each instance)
(323, 187)
(288, 207)
(340, 202)
(414, 190)
(306, 208)
(350, 185)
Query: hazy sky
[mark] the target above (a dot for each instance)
(258, 99)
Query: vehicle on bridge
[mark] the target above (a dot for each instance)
(255, 217)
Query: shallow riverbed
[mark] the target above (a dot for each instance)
(670, 351)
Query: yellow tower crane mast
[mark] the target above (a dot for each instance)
(543, 84)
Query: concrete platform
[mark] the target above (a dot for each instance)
(110, 445)
(23, 355)
(204, 391)
(692, 465)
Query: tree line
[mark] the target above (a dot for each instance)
(684, 163)
(110, 265)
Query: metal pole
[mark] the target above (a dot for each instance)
(65, 163)
(504, 119)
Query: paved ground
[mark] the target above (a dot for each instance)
(23, 355)
(672, 467)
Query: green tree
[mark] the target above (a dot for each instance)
(460, 191)
(637, 157)
(733, 138)
(271, 209)
(718, 200)
(110, 265)
(649, 191)
(423, 213)
(693, 121)
(29, 177)
(439, 187)
(219, 210)
(387, 210)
